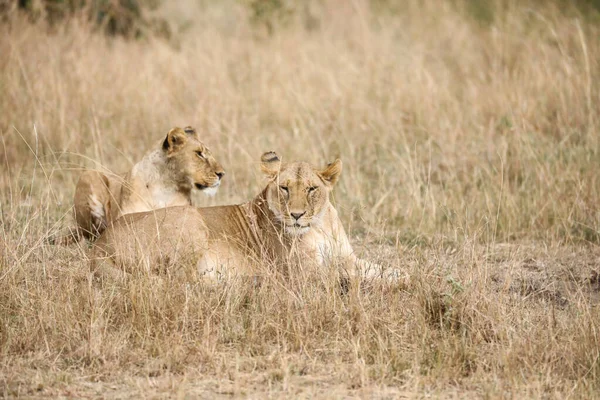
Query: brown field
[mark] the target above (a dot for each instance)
(471, 148)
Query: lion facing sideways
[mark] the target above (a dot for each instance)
(164, 177)
(292, 215)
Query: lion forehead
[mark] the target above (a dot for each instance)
(199, 158)
(299, 175)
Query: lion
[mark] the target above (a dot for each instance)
(291, 216)
(164, 177)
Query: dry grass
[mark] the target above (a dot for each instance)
(471, 150)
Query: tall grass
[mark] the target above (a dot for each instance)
(470, 145)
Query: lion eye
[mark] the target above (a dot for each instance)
(312, 189)
(284, 188)
(200, 154)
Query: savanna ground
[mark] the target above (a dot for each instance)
(469, 135)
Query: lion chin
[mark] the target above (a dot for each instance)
(209, 190)
(296, 230)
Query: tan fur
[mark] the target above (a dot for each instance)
(165, 177)
(233, 240)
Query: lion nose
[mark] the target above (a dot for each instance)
(220, 174)
(297, 215)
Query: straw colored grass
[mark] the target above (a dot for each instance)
(470, 146)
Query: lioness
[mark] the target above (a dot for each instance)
(164, 177)
(292, 215)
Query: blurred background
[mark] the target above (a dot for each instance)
(463, 118)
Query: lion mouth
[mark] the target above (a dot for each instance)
(296, 229)
(200, 186)
(208, 190)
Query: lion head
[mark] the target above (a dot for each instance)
(190, 162)
(298, 193)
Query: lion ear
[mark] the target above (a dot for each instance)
(175, 139)
(270, 163)
(190, 131)
(332, 172)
